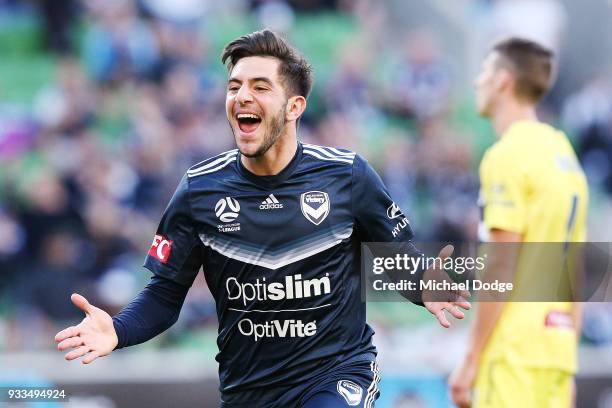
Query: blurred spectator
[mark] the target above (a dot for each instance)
(12, 248)
(311, 5)
(399, 172)
(420, 85)
(118, 44)
(59, 17)
(49, 280)
(48, 209)
(349, 89)
(588, 115)
(275, 14)
(67, 106)
(18, 133)
(178, 12)
(445, 172)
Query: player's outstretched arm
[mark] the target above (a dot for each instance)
(152, 312)
(94, 337)
(452, 300)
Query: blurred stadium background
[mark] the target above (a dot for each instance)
(105, 103)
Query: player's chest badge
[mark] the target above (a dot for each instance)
(315, 206)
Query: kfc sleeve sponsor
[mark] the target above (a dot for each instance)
(160, 248)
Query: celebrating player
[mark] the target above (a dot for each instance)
(532, 190)
(276, 225)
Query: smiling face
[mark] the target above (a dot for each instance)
(256, 104)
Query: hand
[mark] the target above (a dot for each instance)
(461, 382)
(454, 301)
(94, 337)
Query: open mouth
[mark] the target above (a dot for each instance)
(248, 122)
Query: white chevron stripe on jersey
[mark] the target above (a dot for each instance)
(274, 200)
(274, 259)
(330, 151)
(213, 161)
(318, 155)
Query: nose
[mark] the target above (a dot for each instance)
(244, 95)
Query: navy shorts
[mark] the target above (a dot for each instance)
(352, 384)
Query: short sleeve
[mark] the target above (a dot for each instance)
(378, 217)
(176, 251)
(503, 193)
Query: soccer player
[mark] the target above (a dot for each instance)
(276, 225)
(523, 354)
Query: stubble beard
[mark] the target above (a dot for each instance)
(277, 126)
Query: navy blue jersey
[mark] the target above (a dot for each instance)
(281, 256)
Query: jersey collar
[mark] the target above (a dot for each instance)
(271, 181)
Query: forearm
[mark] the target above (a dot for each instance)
(487, 315)
(413, 276)
(152, 312)
(501, 265)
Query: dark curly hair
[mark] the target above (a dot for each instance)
(295, 72)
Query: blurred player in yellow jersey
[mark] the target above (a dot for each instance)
(523, 354)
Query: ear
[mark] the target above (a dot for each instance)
(296, 105)
(504, 80)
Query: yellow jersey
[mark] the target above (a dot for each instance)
(532, 184)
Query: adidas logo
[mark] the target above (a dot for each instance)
(270, 203)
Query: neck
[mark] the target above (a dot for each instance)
(511, 112)
(275, 159)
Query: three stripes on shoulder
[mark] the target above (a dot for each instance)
(213, 164)
(328, 153)
(220, 161)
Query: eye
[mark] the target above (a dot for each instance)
(261, 88)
